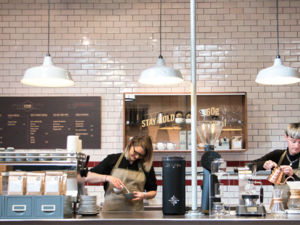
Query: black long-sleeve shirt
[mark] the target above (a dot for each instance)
(106, 166)
(275, 157)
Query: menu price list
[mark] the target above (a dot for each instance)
(45, 122)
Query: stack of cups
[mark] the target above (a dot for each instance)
(74, 144)
(2, 154)
(9, 154)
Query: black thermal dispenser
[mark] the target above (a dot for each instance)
(173, 186)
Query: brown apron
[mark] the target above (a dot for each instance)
(134, 181)
(284, 187)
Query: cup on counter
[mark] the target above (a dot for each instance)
(161, 146)
(154, 146)
(20, 156)
(218, 209)
(44, 157)
(171, 146)
(31, 157)
(2, 154)
(9, 155)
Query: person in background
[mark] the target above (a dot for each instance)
(286, 159)
(131, 170)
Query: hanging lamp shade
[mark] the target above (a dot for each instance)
(160, 74)
(278, 74)
(47, 75)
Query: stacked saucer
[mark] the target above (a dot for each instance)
(88, 205)
(68, 209)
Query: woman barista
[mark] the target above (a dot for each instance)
(286, 159)
(131, 169)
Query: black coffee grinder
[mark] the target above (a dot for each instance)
(209, 131)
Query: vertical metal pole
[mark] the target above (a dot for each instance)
(193, 106)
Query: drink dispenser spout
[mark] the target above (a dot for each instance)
(82, 171)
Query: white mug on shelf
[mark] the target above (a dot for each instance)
(161, 146)
(154, 146)
(171, 146)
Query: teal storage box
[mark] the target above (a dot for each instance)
(18, 207)
(32, 207)
(49, 207)
(1, 206)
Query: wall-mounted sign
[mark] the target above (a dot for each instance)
(45, 122)
(160, 119)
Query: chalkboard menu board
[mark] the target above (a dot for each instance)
(45, 122)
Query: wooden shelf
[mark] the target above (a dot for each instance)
(199, 150)
(232, 129)
(143, 112)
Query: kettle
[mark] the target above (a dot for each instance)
(276, 176)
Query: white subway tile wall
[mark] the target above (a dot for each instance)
(106, 44)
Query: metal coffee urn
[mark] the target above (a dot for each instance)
(173, 185)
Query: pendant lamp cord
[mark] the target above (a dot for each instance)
(277, 30)
(160, 13)
(48, 54)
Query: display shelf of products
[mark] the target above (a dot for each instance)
(166, 118)
(39, 184)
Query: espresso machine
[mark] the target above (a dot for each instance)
(250, 200)
(209, 131)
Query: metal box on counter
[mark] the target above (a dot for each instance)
(29, 207)
(1, 206)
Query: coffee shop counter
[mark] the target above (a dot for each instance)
(156, 217)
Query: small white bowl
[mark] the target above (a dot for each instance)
(294, 185)
(179, 120)
(117, 190)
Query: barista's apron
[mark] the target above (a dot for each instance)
(284, 187)
(134, 181)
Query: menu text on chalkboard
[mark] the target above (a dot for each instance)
(45, 122)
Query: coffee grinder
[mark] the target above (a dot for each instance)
(209, 131)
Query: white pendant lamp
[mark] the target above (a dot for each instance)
(160, 74)
(47, 75)
(278, 74)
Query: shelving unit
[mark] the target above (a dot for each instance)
(40, 206)
(155, 115)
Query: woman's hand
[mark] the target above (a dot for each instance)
(287, 170)
(269, 165)
(137, 196)
(116, 182)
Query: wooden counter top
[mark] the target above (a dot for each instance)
(157, 218)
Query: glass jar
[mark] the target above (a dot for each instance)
(277, 203)
(294, 200)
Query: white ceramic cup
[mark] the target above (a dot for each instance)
(161, 146)
(171, 146)
(72, 143)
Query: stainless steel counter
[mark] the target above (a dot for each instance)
(157, 218)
